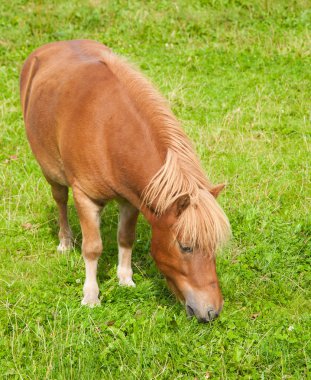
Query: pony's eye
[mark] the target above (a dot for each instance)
(185, 249)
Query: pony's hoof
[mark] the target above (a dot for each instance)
(125, 277)
(90, 301)
(64, 246)
(127, 282)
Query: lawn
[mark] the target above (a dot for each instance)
(237, 74)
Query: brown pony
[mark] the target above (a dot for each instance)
(97, 125)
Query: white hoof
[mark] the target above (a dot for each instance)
(90, 292)
(125, 277)
(90, 301)
(127, 282)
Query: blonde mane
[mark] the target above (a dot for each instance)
(203, 223)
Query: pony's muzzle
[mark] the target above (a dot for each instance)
(206, 316)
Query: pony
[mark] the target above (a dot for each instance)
(96, 124)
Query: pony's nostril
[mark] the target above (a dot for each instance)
(211, 314)
(190, 311)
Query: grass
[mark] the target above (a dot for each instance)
(237, 73)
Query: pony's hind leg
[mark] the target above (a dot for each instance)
(126, 236)
(89, 215)
(60, 195)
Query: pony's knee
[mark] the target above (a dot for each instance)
(126, 239)
(92, 249)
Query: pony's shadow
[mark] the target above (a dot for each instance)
(109, 258)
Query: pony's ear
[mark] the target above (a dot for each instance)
(182, 203)
(217, 189)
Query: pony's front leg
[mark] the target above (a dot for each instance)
(126, 236)
(89, 215)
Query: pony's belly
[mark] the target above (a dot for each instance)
(98, 185)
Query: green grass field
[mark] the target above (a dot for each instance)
(237, 73)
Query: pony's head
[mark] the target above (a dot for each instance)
(184, 242)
